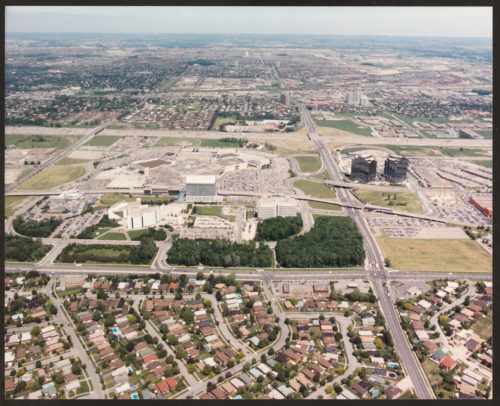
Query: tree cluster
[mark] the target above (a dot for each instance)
(333, 242)
(24, 249)
(32, 228)
(219, 253)
(278, 228)
(152, 233)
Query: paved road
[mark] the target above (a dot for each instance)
(82, 353)
(378, 275)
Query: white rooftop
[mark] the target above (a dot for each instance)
(200, 179)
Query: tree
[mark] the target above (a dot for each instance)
(101, 294)
(52, 309)
(109, 320)
(218, 296)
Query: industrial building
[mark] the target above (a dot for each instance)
(484, 203)
(276, 207)
(135, 215)
(70, 201)
(201, 188)
(396, 168)
(364, 168)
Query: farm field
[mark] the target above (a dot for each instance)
(435, 255)
(314, 189)
(52, 177)
(36, 141)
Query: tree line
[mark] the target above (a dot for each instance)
(278, 228)
(333, 242)
(219, 253)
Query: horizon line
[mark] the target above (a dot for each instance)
(248, 33)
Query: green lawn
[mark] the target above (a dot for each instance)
(483, 327)
(12, 203)
(136, 233)
(113, 236)
(52, 177)
(309, 163)
(219, 144)
(172, 141)
(103, 141)
(401, 201)
(100, 231)
(109, 199)
(36, 141)
(345, 125)
(435, 255)
(314, 189)
(325, 206)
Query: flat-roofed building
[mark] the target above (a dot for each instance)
(364, 168)
(201, 188)
(274, 207)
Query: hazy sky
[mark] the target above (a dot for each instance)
(397, 21)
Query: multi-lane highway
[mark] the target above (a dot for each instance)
(377, 273)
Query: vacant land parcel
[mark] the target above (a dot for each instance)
(435, 255)
(52, 177)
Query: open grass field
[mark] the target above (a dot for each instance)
(432, 371)
(222, 120)
(206, 142)
(314, 189)
(173, 141)
(102, 141)
(383, 199)
(484, 327)
(12, 203)
(72, 161)
(52, 177)
(345, 125)
(100, 231)
(113, 236)
(435, 255)
(310, 163)
(36, 141)
(109, 199)
(325, 206)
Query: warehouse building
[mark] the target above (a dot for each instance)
(396, 168)
(269, 208)
(364, 168)
(201, 188)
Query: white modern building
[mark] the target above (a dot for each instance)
(274, 207)
(70, 201)
(135, 215)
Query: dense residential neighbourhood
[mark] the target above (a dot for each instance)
(248, 217)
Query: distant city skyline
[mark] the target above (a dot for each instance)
(363, 21)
